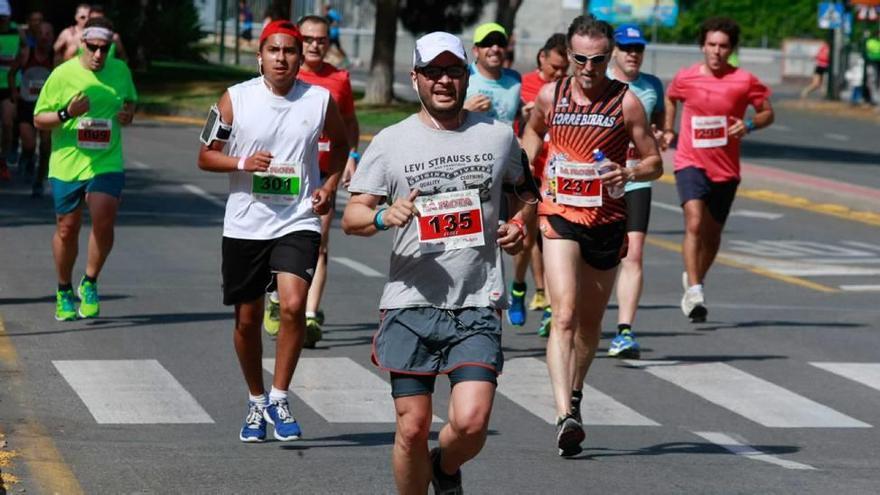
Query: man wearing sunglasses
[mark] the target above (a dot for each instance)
(442, 172)
(68, 41)
(84, 101)
(117, 50)
(628, 55)
(715, 97)
(583, 226)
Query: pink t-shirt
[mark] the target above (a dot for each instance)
(709, 104)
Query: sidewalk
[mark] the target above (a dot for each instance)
(835, 108)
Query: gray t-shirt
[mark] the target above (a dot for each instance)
(479, 155)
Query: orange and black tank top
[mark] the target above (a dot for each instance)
(575, 131)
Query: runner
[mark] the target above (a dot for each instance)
(84, 102)
(68, 41)
(9, 41)
(582, 223)
(552, 62)
(334, 18)
(272, 223)
(715, 96)
(317, 72)
(629, 51)
(30, 33)
(35, 64)
(441, 305)
(823, 60)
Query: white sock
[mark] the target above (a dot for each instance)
(311, 314)
(698, 288)
(276, 394)
(259, 400)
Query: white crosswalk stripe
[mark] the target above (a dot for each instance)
(131, 392)
(749, 396)
(526, 382)
(864, 373)
(341, 391)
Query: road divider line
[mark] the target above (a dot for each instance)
(867, 374)
(739, 448)
(135, 164)
(729, 261)
(198, 191)
(666, 206)
(357, 266)
(836, 137)
(861, 288)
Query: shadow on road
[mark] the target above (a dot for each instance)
(49, 299)
(776, 323)
(129, 321)
(679, 448)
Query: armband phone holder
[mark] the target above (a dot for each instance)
(215, 129)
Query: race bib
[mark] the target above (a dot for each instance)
(32, 90)
(709, 132)
(323, 146)
(448, 221)
(578, 184)
(93, 134)
(633, 157)
(278, 185)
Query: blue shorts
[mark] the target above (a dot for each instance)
(692, 183)
(69, 195)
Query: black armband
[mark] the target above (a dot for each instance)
(64, 115)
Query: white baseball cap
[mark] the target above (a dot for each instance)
(5, 10)
(431, 45)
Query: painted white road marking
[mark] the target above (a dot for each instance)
(836, 137)
(749, 396)
(864, 373)
(198, 191)
(131, 392)
(357, 266)
(779, 127)
(526, 382)
(742, 449)
(666, 206)
(756, 214)
(341, 391)
(138, 165)
(861, 288)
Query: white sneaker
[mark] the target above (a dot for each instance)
(693, 305)
(684, 280)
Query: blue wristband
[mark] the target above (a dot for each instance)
(377, 220)
(355, 155)
(750, 125)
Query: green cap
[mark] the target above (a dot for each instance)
(484, 30)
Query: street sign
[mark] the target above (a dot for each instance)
(830, 15)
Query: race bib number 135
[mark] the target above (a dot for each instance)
(452, 220)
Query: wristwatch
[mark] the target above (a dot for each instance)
(64, 115)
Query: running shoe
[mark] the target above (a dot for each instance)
(313, 333)
(693, 305)
(65, 306)
(272, 314)
(576, 411)
(516, 313)
(569, 435)
(684, 281)
(539, 302)
(277, 413)
(89, 305)
(546, 320)
(319, 315)
(624, 346)
(443, 483)
(254, 427)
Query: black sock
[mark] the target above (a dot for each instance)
(539, 291)
(623, 326)
(90, 279)
(576, 396)
(519, 286)
(64, 287)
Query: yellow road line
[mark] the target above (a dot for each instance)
(725, 260)
(45, 465)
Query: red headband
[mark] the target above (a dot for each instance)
(280, 27)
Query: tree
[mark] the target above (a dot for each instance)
(506, 13)
(380, 85)
(424, 16)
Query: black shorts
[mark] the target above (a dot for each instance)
(248, 264)
(602, 247)
(692, 183)
(5, 94)
(638, 210)
(25, 112)
(821, 70)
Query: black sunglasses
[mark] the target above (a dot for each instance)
(493, 39)
(93, 48)
(453, 71)
(633, 48)
(583, 59)
(307, 40)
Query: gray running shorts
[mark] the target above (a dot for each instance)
(431, 341)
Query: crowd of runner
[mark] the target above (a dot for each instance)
(553, 168)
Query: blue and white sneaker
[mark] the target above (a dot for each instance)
(278, 414)
(516, 313)
(254, 428)
(624, 346)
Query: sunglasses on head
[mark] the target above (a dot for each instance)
(93, 47)
(633, 48)
(453, 71)
(583, 59)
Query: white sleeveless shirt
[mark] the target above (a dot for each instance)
(288, 127)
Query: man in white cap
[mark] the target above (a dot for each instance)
(441, 305)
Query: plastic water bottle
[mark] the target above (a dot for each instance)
(616, 192)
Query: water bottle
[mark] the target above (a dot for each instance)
(616, 192)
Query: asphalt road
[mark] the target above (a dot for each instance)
(779, 392)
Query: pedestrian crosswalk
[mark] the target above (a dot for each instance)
(340, 390)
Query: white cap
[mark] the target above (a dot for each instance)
(5, 11)
(431, 45)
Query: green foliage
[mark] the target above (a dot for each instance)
(424, 16)
(166, 29)
(762, 22)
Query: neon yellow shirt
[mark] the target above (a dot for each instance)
(90, 144)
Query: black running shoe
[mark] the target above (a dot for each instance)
(569, 435)
(443, 483)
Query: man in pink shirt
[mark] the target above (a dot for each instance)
(715, 96)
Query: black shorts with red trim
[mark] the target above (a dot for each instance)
(602, 246)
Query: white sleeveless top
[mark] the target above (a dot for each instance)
(288, 127)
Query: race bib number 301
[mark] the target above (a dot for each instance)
(452, 220)
(280, 184)
(93, 134)
(578, 184)
(709, 132)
